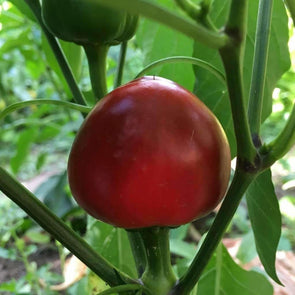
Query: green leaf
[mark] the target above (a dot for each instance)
(217, 279)
(21, 39)
(157, 41)
(23, 7)
(247, 250)
(214, 93)
(24, 142)
(112, 243)
(74, 55)
(265, 216)
(180, 232)
(41, 160)
(182, 248)
(53, 193)
(38, 237)
(10, 253)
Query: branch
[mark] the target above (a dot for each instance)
(57, 50)
(58, 229)
(259, 67)
(281, 145)
(170, 19)
(232, 57)
(199, 13)
(122, 58)
(225, 214)
(97, 63)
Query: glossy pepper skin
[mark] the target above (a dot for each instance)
(85, 22)
(149, 154)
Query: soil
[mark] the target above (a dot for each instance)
(10, 269)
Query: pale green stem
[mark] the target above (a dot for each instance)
(259, 67)
(169, 18)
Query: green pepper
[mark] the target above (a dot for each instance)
(130, 28)
(86, 22)
(93, 26)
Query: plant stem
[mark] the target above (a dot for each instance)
(192, 29)
(232, 64)
(122, 289)
(259, 66)
(97, 61)
(57, 50)
(231, 202)
(18, 105)
(232, 57)
(138, 250)
(199, 13)
(59, 230)
(158, 276)
(281, 145)
(191, 9)
(123, 51)
(184, 59)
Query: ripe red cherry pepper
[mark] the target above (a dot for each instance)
(149, 154)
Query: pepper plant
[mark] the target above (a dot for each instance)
(239, 52)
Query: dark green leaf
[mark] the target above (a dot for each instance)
(266, 221)
(53, 193)
(223, 276)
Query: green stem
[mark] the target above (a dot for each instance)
(281, 145)
(138, 250)
(123, 51)
(184, 59)
(124, 288)
(199, 13)
(232, 63)
(191, 9)
(259, 66)
(57, 50)
(158, 276)
(229, 206)
(232, 57)
(18, 105)
(153, 11)
(97, 61)
(59, 230)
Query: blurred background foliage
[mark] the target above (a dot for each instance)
(36, 140)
